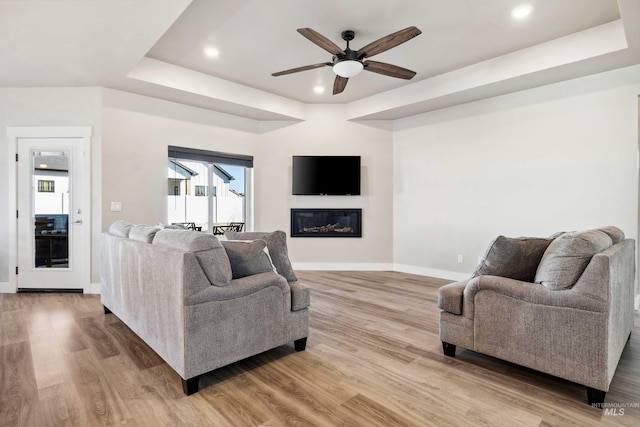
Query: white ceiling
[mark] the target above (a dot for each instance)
(468, 49)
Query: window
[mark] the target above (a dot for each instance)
(174, 187)
(208, 188)
(46, 186)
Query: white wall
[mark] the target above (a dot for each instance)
(557, 158)
(46, 107)
(325, 132)
(137, 133)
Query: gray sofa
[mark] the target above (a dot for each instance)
(562, 305)
(181, 294)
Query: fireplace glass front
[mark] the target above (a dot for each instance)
(326, 222)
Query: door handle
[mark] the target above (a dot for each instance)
(77, 221)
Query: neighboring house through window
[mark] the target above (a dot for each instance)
(46, 186)
(207, 188)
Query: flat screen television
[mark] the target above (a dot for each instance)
(326, 175)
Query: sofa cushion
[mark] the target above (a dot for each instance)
(143, 233)
(567, 256)
(121, 228)
(208, 250)
(277, 244)
(248, 257)
(615, 233)
(513, 257)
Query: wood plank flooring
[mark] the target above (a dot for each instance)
(373, 358)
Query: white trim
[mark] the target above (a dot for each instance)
(15, 133)
(5, 288)
(430, 272)
(637, 304)
(93, 288)
(342, 266)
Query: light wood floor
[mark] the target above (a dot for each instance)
(373, 359)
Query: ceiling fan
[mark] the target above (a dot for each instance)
(347, 63)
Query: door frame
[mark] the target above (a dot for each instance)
(14, 134)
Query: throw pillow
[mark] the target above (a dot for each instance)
(513, 257)
(567, 256)
(209, 252)
(171, 226)
(121, 228)
(143, 233)
(615, 233)
(248, 257)
(277, 244)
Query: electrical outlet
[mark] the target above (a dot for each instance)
(460, 258)
(116, 206)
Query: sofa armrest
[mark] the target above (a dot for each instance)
(450, 296)
(530, 292)
(239, 288)
(300, 296)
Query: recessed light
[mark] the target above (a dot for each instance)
(522, 11)
(211, 52)
(318, 89)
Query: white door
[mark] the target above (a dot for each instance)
(53, 214)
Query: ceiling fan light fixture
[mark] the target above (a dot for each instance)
(522, 11)
(347, 68)
(211, 52)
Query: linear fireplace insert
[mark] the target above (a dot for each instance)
(326, 222)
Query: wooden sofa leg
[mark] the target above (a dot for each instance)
(300, 344)
(106, 310)
(449, 349)
(190, 386)
(595, 397)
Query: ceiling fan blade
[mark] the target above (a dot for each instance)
(387, 42)
(339, 84)
(321, 40)
(389, 70)
(305, 68)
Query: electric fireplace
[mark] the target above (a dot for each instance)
(326, 222)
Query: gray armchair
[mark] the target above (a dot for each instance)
(562, 306)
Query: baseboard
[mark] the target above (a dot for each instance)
(366, 266)
(93, 288)
(343, 266)
(430, 272)
(6, 288)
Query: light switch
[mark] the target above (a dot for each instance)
(116, 206)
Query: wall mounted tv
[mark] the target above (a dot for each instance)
(326, 175)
